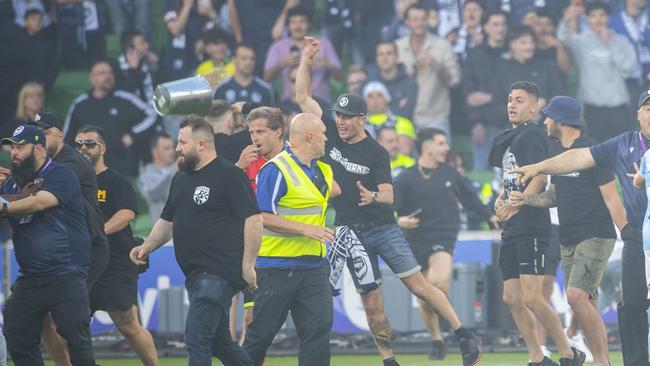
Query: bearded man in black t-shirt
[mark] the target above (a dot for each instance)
(216, 225)
(526, 229)
(116, 290)
(365, 217)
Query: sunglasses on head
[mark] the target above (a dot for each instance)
(88, 143)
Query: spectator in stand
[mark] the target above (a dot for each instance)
(518, 9)
(44, 65)
(216, 49)
(371, 17)
(397, 29)
(156, 177)
(402, 88)
(604, 60)
(379, 115)
(244, 86)
(130, 14)
(21, 7)
(251, 21)
(357, 76)
(431, 61)
(286, 52)
(31, 100)
(185, 26)
(470, 33)
(388, 138)
(136, 66)
(478, 75)
(126, 119)
(522, 65)
(82, 35)
(632, 22)
(338, 27)
(549, 46)
(290, 103)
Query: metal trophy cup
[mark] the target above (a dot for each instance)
(191, 95)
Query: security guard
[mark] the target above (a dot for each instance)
(292, 192)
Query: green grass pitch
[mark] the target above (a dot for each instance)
(488, 359)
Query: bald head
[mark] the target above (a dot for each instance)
(307, 132)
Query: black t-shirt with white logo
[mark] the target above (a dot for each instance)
(527, 144)
(580, 205)
(365, 161)
(208, 208)
(115, 193)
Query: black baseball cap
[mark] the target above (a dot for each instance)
(351, 105)
(644, 97)
(25, 134)
(47, 120)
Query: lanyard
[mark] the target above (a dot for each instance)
(644, 146)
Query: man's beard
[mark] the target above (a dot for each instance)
(23, 172)
(188, 162)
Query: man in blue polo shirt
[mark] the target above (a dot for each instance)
(52, 248)
(619, 154)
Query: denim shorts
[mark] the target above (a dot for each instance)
(388, 242)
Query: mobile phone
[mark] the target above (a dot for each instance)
(415, 213)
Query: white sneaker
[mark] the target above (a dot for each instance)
(578, 341)
(546, 352)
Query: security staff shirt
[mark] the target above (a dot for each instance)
(208, 208)
(53, 241)
(619, 154)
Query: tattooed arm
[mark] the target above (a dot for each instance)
(544, 199)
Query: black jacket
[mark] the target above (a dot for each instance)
(88, 180)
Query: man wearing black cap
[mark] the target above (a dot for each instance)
(52, 249)
(587, 202)
(364, 213)
(51, 126)
(621, 154)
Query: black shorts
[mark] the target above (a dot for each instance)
(116, 289)
(522, 256)
(553, 255)
(98, 262)
(424, 250)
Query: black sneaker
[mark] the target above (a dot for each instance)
(469, 349)
(438, 350)
(545, 362)
(577, 360)
(391, 362)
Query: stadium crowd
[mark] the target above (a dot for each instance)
(411, 74)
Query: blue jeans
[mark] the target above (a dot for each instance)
(207, 332)
(388, 242)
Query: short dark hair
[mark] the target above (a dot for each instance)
(126, 41)
(545, 13)
(528, 86)
(383, 129)
(520, 31)
(219, 108)
(477, 2)
(199, 126)
(243, 45)
(299, 11)
(427, 134)
(32, 11)
(101, 136)
(101, 61)
(487, 16)
(272, 115)
(153, 142)
(416, 6)
(388, 43)
(216, 36)
(597, 5)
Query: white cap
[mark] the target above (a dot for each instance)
(376, 86)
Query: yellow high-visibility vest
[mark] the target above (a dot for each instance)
(304, 203)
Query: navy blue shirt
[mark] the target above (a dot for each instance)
(619, 154)
(53, 241)
(259, 91)
(271, 186)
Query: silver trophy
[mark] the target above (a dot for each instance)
(191, 95)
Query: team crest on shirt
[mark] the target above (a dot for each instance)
(201, 194)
